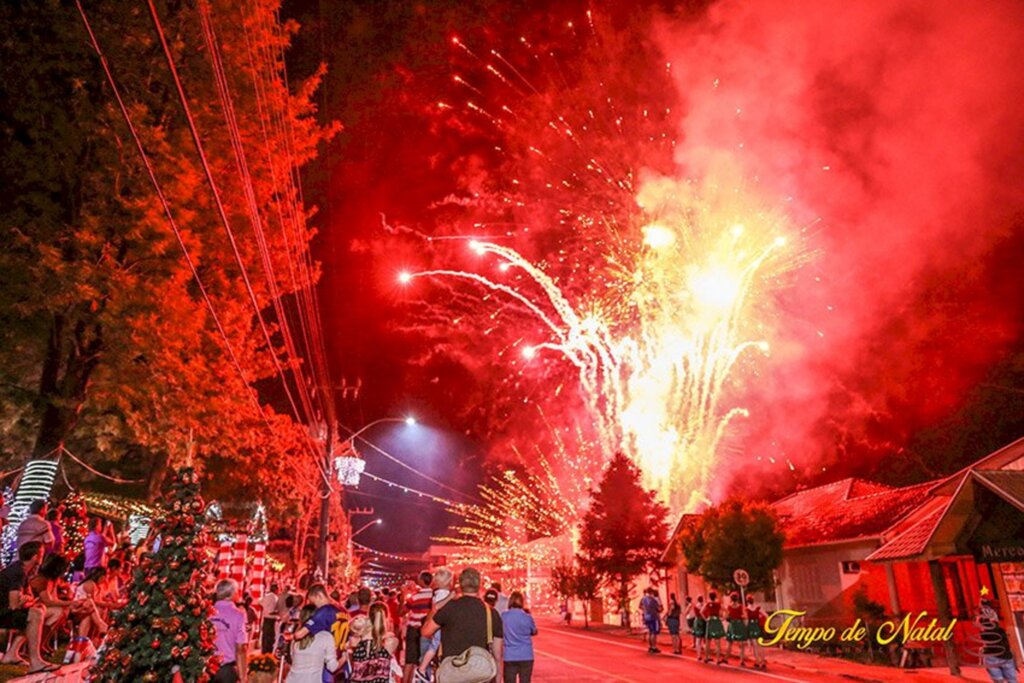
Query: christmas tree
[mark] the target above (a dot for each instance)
(165, 626)
(74, 524)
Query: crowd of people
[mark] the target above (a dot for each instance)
(739, 622)
(383, 636)
(320, 635)
(45, 591)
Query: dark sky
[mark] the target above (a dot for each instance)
(929, 372)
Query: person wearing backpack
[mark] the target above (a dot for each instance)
(472, 635)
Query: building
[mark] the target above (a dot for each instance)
(678, 578)
(854, 546)
(965, 542)
(830, 531)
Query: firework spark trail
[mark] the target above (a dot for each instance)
(658, 290)
(543, 497)
(655, 385)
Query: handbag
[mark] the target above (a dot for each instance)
(475, 665)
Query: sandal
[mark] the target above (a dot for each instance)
(49, 669)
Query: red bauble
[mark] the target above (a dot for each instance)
(155, 644)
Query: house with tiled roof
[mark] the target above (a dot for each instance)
(830, 531)
(964, 543)
(938, 547)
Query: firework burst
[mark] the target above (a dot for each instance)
(645, 291)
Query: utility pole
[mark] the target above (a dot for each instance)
(349, 392)
(323, 554)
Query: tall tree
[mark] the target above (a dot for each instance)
(624, 531)
(736, 534)
(106, 342)
(586, 585)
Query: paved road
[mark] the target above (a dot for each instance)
(564, 656)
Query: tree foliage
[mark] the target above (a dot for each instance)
(624, 531)
(106, 344)
(736, 534)
(563, 578)
(166, 622)
(587, 582)
(577, 579)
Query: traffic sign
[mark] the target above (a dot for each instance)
(740, 577)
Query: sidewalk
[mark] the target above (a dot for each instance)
(803, 662)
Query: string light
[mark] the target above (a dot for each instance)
(381, 553)
(409, 489)
(119, 507)
(36, 484)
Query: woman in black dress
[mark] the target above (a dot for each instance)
(672, 620)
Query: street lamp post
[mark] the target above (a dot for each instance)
(323, 556)
(356, 434)
(366, 526)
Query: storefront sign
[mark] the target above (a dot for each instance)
(1002, 551)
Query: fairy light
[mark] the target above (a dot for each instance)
(36, 484)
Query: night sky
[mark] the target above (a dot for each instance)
(895, 134)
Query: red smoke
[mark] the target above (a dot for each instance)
(893, 131)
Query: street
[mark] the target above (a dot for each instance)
(569, 655)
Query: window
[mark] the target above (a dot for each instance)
(806, 582)
(851, 567)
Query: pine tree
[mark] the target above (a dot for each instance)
(166, 621)
(624, 531)
(74, 524)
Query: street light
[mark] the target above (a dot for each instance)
(325, 510)
(409, 420)
(366, 526)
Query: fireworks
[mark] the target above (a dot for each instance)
(529, 512)
(650, 291)
(653, 379)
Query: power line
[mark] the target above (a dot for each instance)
(230, 119)
(222, 213)
(412, 469)
(171, 221)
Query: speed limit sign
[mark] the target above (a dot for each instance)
(740, 577)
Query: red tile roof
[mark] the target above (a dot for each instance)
(911, 542)
(845, 510)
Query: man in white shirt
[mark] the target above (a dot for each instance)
(502, 604)
(268, 636)
(35, 527)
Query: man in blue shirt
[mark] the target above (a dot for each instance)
(327, 617)
(650, 605)
(519, 628)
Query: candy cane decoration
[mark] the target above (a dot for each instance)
(224, 559)
(238, 558)
(259, 559)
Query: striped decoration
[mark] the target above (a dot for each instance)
(258, 571)
(238, 552)
(224, 559)
(36, 482)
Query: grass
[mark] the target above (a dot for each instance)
(9, 672)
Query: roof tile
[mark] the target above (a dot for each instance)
(845, 510)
